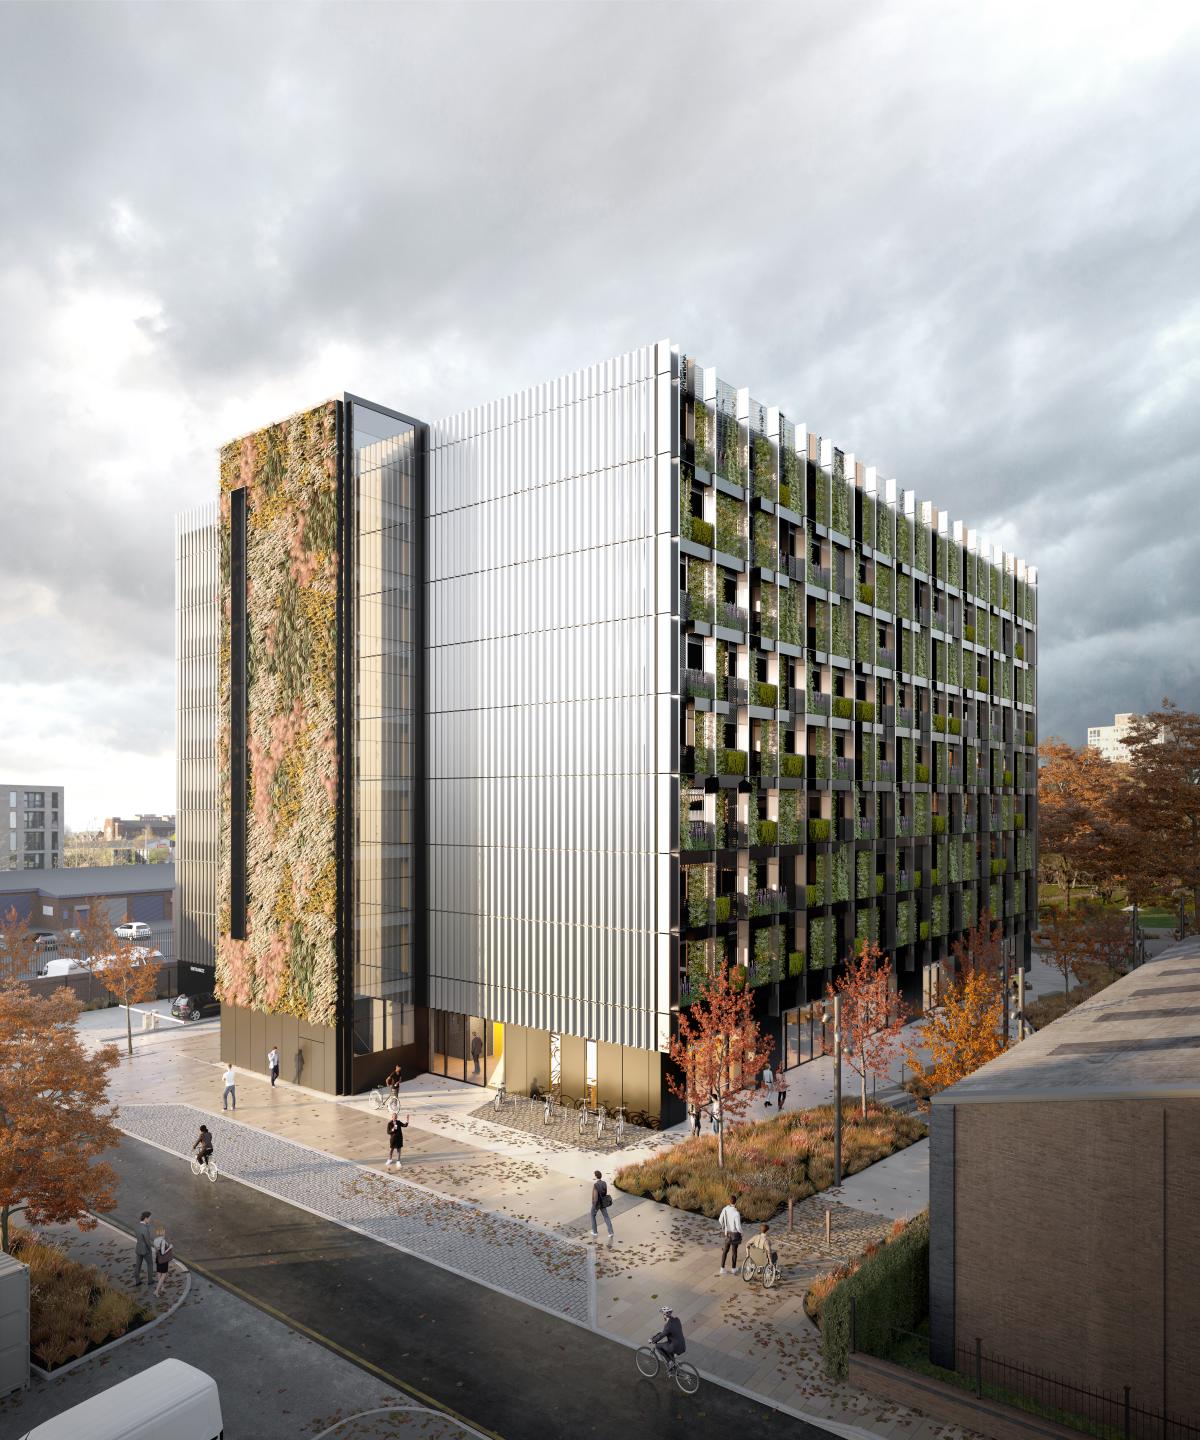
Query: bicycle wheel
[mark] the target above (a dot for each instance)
(620, 1130)
(749, 1269)
(377, 1099)
(583, 1117)
(687, 1377)
(548, 1113)
(498, 1101)
(211, 1171)
(771, 1277)
(196, 1166)
(647, 1361)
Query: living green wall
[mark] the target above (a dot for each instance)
(287, 964)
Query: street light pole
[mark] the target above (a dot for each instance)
(1004, 953)
(837, 1090)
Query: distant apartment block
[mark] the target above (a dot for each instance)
(1110, 739)
(31, 827)
(140, 828)
(500, 733)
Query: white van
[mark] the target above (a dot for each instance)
(59, 966)
(170, 1401)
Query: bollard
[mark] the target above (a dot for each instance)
(828, 1223)
(791, 1214)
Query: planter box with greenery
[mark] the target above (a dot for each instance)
(791, 766)
(866, 593)
(765, 694)
(922, 774)
(731, 762)
(843, 708)
(864, 710)
(769, 1162)
(796, 963)
(818, 829)
(890, 1288)
(701, 531)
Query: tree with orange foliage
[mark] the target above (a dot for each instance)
(964, 1033)
(1163, 796)
(981, 948)
(1063, 943)
(17, 947)
(719, 1049)
(1079, 814)
(872, 1014)
(54, 1113)
(129, 973)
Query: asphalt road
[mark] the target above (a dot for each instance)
(507, 1368)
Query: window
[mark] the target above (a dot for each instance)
(35, 799)
(12, 842)
(35, 819)
(12, 799)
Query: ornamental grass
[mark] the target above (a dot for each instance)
(768, 1162)
(72, 1307)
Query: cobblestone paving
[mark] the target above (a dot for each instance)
(530, 1119)
(504, 1254)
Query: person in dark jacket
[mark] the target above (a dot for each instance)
(395, 1130)
(601, 1200)
(669, 1341)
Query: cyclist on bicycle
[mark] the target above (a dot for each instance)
(669, 1341)
(203, 1145)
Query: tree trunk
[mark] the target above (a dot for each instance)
(864, 1087)
(128, 1024)
(4, 1228)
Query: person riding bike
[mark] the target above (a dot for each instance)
(669, 1341)
(203, 1145)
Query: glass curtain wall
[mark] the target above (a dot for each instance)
(385, 478)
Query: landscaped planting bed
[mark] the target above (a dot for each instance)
(73, 1309)
(771, 1161)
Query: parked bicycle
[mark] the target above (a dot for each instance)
(587, 1115)
(619, 1125)
(501, 1098)
(383, 1097)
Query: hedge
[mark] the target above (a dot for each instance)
(891, 1292)
(702, 531)
(843, 708)
(818, 829)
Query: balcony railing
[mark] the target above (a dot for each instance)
(843, 767)
(737, 837)
(885, 658)
(736, 691)
(796, 567)
(732, 617)
(818, 575)
(699, 835)
(796, 700)
(904, 717)
(904, 824)
(698, 682)
(864, 827)
(887, 770)
(818, 702)
(697, 760)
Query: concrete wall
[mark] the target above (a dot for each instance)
(1076, 1242)
(307, 1053)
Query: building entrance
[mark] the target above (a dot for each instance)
(465, 1047)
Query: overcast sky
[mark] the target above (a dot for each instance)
(960, 240)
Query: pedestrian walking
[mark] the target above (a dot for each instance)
(697, 1111)
(768, 1079)
(145, 1247)
(273, 1065)
(395, 1131)
(731, 1234)
(601, 1200)
(781, 1089)
(228, 1080)
(164, 1253)
(476, 1052)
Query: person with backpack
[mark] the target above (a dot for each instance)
(164, 1253)
(601, 1201)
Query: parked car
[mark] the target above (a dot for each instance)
(141, 955)
(195, 1007)
(133, 930)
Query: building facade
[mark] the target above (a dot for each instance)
(32, 827)
(1090, 1125)
(197, 819)
(531, 717)
(1110, 740)
(140, 828)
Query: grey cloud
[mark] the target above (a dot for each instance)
(959, 240)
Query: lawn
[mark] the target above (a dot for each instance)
(73, 1308)
(768, 1162)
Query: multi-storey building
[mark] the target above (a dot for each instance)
(197, 628)
(531, 717)
(31, 827)
(141, 827)
(1110, 740)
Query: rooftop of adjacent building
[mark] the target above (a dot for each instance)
(84, 880)
(1139, 1037)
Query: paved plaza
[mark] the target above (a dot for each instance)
(510, 1207)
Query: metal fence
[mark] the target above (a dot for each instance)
(1108, 1415)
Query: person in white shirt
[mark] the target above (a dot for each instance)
(731, 1232)
(273, 1064)
(768, 1079)
(230, 1093)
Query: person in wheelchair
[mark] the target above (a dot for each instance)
(759, 1249)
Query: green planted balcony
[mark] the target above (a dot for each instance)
(729, 438)
(764, 469)
(843, 709)
(796, 963)
(840, 518)
(766, 550)
(791, 766)
(704, 428)
(731, 527)
(731, 762)
(765, 693)
(864, 710)
(819, 830)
